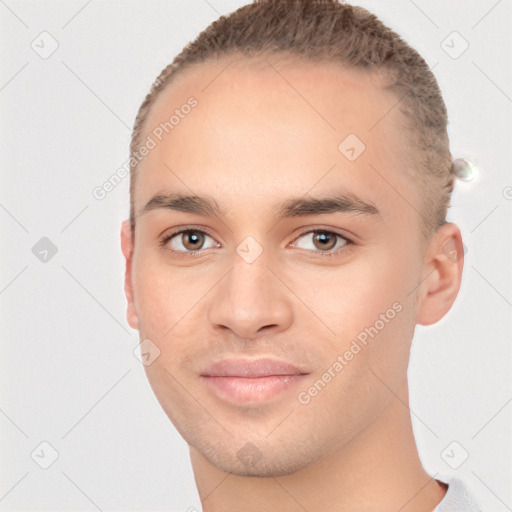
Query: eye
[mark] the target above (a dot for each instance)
(327, 243)
(192, 240)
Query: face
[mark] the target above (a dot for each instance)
(291, 291)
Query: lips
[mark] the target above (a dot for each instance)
(251, 368)
(251, 380)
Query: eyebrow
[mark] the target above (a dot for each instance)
(293, 207)
(301, 207)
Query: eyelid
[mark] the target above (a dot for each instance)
(327, 229)
(187, 227)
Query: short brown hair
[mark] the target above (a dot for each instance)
(341, 33)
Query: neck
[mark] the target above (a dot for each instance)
(378, 470)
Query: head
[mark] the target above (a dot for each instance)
(311, 142)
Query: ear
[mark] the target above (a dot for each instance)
(127, 248)
(443, 266)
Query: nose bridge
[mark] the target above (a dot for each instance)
(249, 281)
(250, 273)
(250, 297)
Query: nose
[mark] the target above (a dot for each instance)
(250, 300)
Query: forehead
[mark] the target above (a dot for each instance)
(264, 128)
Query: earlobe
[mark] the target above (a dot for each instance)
(443, 267)
(127, 247)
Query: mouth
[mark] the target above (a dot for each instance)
(251, 380)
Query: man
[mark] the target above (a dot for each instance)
(290, 177)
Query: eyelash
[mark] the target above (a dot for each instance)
(186, 254)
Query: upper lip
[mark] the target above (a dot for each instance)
(263, 367)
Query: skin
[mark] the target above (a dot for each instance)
(252, 142)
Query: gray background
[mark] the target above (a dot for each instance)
(68, 373)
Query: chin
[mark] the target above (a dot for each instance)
(251, 461)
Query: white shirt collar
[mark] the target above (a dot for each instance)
(457, 498)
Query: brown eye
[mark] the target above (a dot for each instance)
(322, 242)
(192, 240)
(187, 241)
(325, 240)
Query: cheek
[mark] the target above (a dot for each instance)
(152, 300)
(381, 316)
(352, 296)
(170, 303)
(163, 295)
(370, 313)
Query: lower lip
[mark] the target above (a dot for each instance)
(243, 389)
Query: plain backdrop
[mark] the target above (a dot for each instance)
(69, 377)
